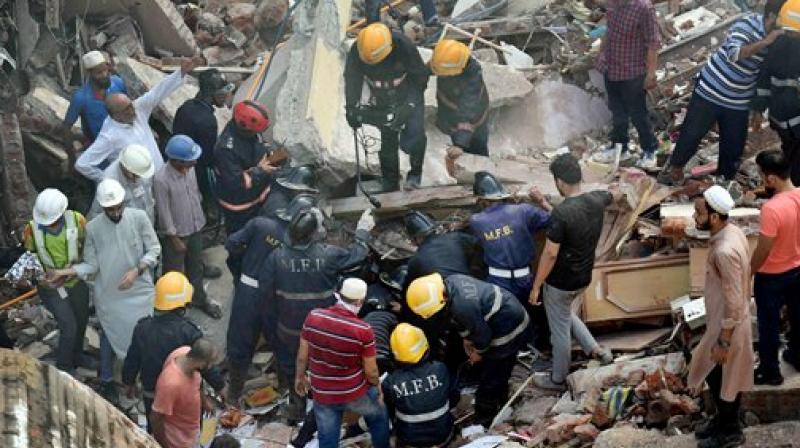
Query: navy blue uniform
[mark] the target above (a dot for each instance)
(463, 107)
(259, 237)
(446, 254)
(279, 197)
(420, 397)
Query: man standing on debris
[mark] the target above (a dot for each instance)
(297, 180)
(56, 235)
(155, 337)
(723, 92)
(565, 267)
(178, 402)
(776, 265)
(779, 85)
(724, 356)
(419, 393)
(134, 171)
(195, 119)
(507, 233)
(338, 349)
(628, 59)
(300, 277)
(491, 322)
(397, 79)
(121, 252)
(462, 99)
(89, 102)
(128, 124)
(254, 243)
(181, 219)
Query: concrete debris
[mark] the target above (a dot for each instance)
(584, 380)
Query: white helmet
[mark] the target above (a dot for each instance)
(92, 59)
(136, 159)
(50, 205)
(110, 193)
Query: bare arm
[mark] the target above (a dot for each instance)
(761, 253)
(301, 364)
(157, 422)
(371, 370)
(546, 263)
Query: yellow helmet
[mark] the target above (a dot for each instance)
(449, 58)
(374, 43)
(425, 295)
(173, 290)
(789, 18)
(409, 343)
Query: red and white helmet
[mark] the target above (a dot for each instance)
(251, 116)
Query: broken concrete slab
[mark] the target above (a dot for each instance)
(163, 26)
(582, 381)
(217, 55)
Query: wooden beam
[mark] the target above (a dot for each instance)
(400, 201)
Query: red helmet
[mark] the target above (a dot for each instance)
(251, 116)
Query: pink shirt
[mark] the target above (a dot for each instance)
(780, 219)
(178, 398)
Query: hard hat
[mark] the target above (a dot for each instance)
(486, 186)
(353, 289)
(789, 18)
(300, 178)
(374, 43)
(449, 58)
(302, 227)
(173, 290)
(109, 193)
(396, 279)
(212, 82)
(251, 116)
(50, 205)
(719, 199)
(408, 343)
(419, 224)
(182, 147)
(136, 159)
(92, 59)
(425, 295)
(298, 203)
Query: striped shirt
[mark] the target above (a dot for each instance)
(726, 80)
(337, 341)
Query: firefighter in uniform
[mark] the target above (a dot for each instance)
(397, 78)
(418, 394)
(298, 180)
(241, 165)
(256, 241)
(491, 322)
(299, 277)
(507, 233)
(462, 100)
(779, 85)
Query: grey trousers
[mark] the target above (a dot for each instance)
(190, 263)
(71, 314)
(563, 325)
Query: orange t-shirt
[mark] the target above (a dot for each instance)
(780, 219)
(178, 398)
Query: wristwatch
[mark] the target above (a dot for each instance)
(724, 344)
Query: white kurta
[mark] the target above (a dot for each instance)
(110, 251)
(138, 194)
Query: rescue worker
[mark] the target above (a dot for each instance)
(429, 15)
(255, 242)
(155, 337)
(56, 235)
(461, 97)
(302, 276)
(418, 394)
(397, 79)
(507, 233)
(491, 322)
(779, 85)
(298, 180)
(242, 167)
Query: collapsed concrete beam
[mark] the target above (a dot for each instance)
(17, 192)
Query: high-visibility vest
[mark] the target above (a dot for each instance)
(71, 231)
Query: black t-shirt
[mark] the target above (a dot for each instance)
(576, 225)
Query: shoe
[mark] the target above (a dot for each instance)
(413, 182)
(761, 378)
(546, 382)
(707, 429)
(87, 361)
(110, 392)
(648, 161)
(210, 308)
(608, 156)
(211, 271)
(723, 439)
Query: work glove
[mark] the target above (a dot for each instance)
(366, 222)
(352, 117)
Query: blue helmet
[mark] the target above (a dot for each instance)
(182, 147)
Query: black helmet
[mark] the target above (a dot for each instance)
(303, 201)
(212, 82)
(487, 186)
(419, 224)
(303, 227)
(300, 178)
(396, 279)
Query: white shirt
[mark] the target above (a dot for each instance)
(138, 194)
(115, 136)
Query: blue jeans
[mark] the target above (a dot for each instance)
(772, 291)
(106, 360)
(329, 419)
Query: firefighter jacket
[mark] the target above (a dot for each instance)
(241, 185)
(463, 103)
(257, 239)
(779, 83)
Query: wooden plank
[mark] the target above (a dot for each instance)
(632, 340)
(399, 201)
